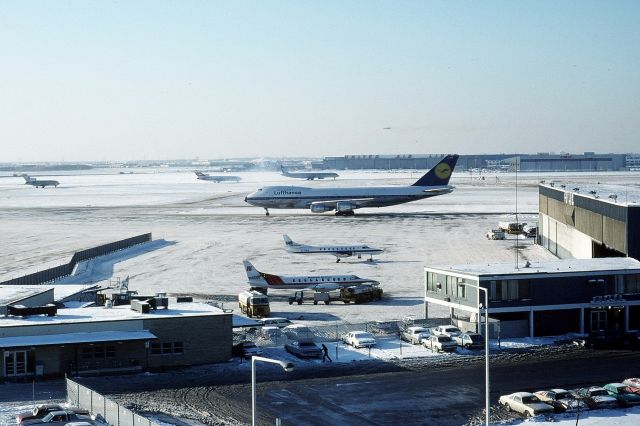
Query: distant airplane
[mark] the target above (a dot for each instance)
(345, 200)
(262, 281)
(337, 251)
(308, 175)
(219, 178)
(39, 183)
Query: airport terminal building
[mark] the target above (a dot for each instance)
(583, 223)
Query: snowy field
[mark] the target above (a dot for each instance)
(204, 230)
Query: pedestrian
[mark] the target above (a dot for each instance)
(325, 353)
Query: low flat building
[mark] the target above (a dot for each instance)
(99, 340)
(543, 299)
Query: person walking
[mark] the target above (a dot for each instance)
(325, 353)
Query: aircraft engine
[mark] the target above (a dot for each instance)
(345, 206)
(320, 208)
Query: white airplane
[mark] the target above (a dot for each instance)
(217, 179)
(263, 281)
(345, 200)
(337, 251)
(308, 175)
(39, 183)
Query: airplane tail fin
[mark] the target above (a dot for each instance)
(284, 171)
(251, 271)
(440, 173)
(198, 173)
(27, 178)
(288, 241)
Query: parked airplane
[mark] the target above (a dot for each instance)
(337, 251)
(308, 175)
(345, 200)
(263, 281)
(218, 178)
(39, 183)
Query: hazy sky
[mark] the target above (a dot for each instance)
(114, 80)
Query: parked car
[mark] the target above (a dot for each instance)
(58, 418)
(274, 321)
(605, 339)
(525, 403)
(298, 332)
(597, 397)
(359, 339)
(39, 411)
(633, 383)
(245, 349)
(439, 343)
(470, 340)
(270, 332)
(561, 400)
(624, 395)
(495, 234)
(303, 348)
(446, 330)
(414, 335)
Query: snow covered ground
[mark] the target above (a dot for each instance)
(618, 417)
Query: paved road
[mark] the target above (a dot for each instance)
(438, 393)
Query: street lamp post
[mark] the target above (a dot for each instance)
(486, 345)
(287, 366)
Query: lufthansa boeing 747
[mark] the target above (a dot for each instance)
(345, 200)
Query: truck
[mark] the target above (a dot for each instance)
(360, 293)
(511, 227)
(254, 304)
(318, 296)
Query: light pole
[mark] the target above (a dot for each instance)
(287, 366)
(486, 345)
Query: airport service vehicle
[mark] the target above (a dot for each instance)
(470, 340)
(39, 411)
(439, 343)
(221, 178)
(561, 400)
(345, 200)
(625, 397)
(57, 418)
(360, 293)
(359, 339)
(525, 403)
(446, 330)
(275, 321)
(262, 281)
(495, 234)
(414, 335)
(303, 348)
(338, 251)
(511, 227)
(633, 383)
(308, 175)
(530, 231)
(39, 183)
(597, 397)
(254, 304)
(298, 297)
(246, 350)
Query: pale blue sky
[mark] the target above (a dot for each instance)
(114, 80)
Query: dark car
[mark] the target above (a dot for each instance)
(624, 395)
(245, 350)
(39, 411)
(596, 397)
(303, 349)
(605, 339)
(470, 341)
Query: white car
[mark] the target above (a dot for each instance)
(440, 343)
(415, 335)
(359, 339)
(525, 403)
(446, 330)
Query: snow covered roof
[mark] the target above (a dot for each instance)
(564, 266)
(622, 195)
(240, 321)
(116, 313)
(67, 338)
(13, 293)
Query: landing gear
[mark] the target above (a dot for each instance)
(266, 211)
(370, 259)
(345, 213)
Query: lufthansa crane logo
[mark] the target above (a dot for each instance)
(443, 170)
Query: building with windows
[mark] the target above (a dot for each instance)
(587, 222)
(116, 339)
(542, 299)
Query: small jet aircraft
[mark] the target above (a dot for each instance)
(39, 183)
(322, 283)
(218, 178)
(345, 200)
(308, 175)
(337, 251)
